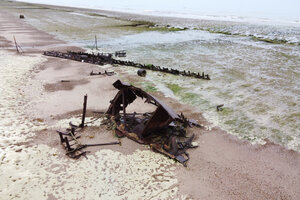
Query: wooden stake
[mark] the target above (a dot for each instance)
(16, 45)
(84, 111)
(96, 42)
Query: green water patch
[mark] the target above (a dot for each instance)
(230, 122)
(242, 125)
(97, 15)
(174, 87)
(293, 118)
(144, 85)
(139, 24)
(289, 138)
(277, 136)
(272, 41)
(150, 26)
(280, 120)
(33, 8)
(261, 108)
(186, 96)
(226, 111)
(281, 137)
(193, 99)
(167, 29)
(256, 89)
(220, 32)
(255, 38)
(250, 138)
(149, 87)
(246, 85)
(224, 32)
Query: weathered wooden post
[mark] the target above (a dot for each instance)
(16, 44)
(84, 111)
(96, 42)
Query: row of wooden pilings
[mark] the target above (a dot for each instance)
(107, 58)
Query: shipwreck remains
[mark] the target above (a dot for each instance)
(70, 138)
(107, 58)
(163, 130)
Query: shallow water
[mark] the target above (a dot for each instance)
(255, 68)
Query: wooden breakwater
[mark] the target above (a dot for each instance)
(107, 58)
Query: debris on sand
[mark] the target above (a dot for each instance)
(70, 138)
(163, 130)
(105, 73)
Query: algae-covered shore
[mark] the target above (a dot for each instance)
(35, 103)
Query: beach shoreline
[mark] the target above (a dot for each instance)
(222, 167)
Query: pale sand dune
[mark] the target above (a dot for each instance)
(33, 164)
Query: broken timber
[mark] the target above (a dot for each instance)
(106, 58)
(101, 73)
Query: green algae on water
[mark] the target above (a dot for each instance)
(174, 87)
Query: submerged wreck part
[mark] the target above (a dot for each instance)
(220, 107)
(163, 130)
(120, 53)
(106, 58)
(142, 72)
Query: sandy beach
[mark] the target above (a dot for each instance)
(33, 165)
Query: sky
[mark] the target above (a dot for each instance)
(272, 9)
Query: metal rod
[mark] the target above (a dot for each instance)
(110, 143)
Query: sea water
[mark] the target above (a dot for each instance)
(254, 63)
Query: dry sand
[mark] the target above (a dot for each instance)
(34, 103)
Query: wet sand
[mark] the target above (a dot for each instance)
(222, 167)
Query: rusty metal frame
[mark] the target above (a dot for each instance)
(162, 117)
